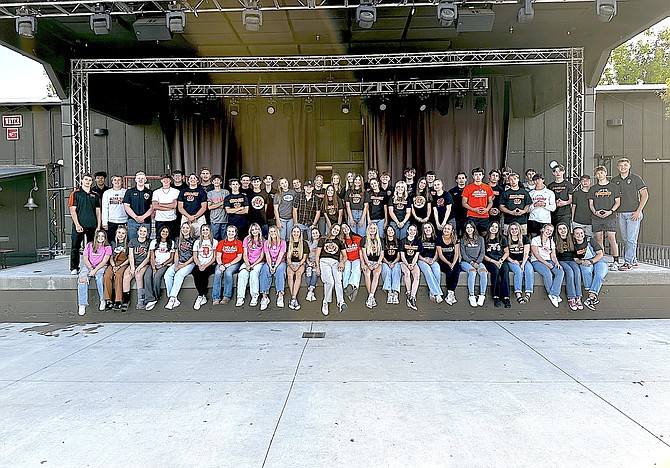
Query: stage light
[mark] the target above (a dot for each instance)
(309, 105)
(606, 10)
(423, 103)
(252, 16)
(346, 106)
(234, 107)
(26, 25)
(100, 21)
(31, 205)
(383, 105)
(271, 107)
(458, 101)
(442, 104)
(526, 12)
(480, 104)
(366, 14)
(447, 12)
(175, 19)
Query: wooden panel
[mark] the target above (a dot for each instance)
(632, 131)
(116, 147)
(613, 136)
(25, 154)
(98, 144)
(43, 139)
(135, 149)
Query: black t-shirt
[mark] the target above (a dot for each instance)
(516, 250)
(411, 248)
(331, 248)
(604, 196)
(581, 249)
(629, 189)
(562, 190)
(331, 208)
(428, 248)
(391, 250)
(207, 188)
(139, 200)
(459, 212)
(495, 249)
(498, 190)
(513, 199)
(356, 199)
(399, 207)
(237, 201)
(374, 255)
(258, 202)
(319, 194)
(85, 205)
(294, 250)
(376, 203)
(441, 202)
(448, 248)
(389, 191)
(582, 211)
(193, 199)
(420, 205)
(566, 255)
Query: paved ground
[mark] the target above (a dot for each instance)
(396, 394)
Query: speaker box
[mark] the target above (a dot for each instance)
(152, 29)
(475, 20)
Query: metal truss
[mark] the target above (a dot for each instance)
(289, 90)
(81, 158)
(574, 151)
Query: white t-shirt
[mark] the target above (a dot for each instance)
(113, 210)
(205, 249)
(162, 196)
(161, 252)
(544, 249)
(542, 214)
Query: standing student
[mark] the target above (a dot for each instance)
(330, 258)
(274, 249)
(306, 208)
(336, 183)
(96, 259)
(581, 211)
(320, 193)
(118, 262)
(378, 206)
(297, 185)
(251, 270)
(164, 204)
(448, 257)
(268, 180)
(391, 269)
(529, 183)
(246, 188)
(237, 207)
(331, 209)
(604, 201)
(192, 204)
(138, 262)
(113, 212)
(283, 206)
(544, 203)
(204, 260)
(100, 185)
(161, 254)
(634, 197)
(478, 200)
(258, 205)
(422, 203)
(430, 179)
(298, 251)
(357, 206)
(563, 192)
(519, 263)
(495, 256)
(410, 247)
(385, 185)
(206, 179)
(84, 207)
(182, 266)
(310, 265)
(498, 189)
(456, 192)
(351, 277)
(546, 264)
(371, 252)
(515, 203)
(178, 180)
(400, 210)
(408, 177)
(565, 253)
(217, 211)
(472, 254)
(589, 255)
(229, 253)
(428, 263)
(442, 204)
(138, 205)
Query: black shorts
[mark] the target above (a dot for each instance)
(482, 224)
(603, 225)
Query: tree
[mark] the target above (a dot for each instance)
(666, 99)
(641, 61)
(50, 89)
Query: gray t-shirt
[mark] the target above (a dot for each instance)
(218, 215)
(284, 201)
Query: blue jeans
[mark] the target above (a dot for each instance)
(391, 277)
(82, 288)
(175, 279)
(306, 233)
(629, 230)
(311, 279)
(358, 214)
(228, 281)
(400, 233)
(433, 276)
(287, 225)
(266, 278)
(472, 276)
(352, 273)
(552, 277)
(380, 227)
(573, 279)
(528, 274)
(133, 226)
(219, 230)
(594, 275)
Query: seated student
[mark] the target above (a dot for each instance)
(251, 270)
(351, 278)
(118, 263)
(161, 254)
(138, 262)
(519, 263)
(204, 260)
(371, 252)
(96, 259)
(589, 255)
(391, 269)
(546, 264)
(274, 249)
(298, 251)
(182, 266)
(472, 254)
(330, 257)
(495, 254)
(448, 257)
(410, 247)
(399, 210)
(428, 263)
(310, 265)
(229, 252)
(565, 253)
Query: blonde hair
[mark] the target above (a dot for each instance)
(373, 244)
(300, 241)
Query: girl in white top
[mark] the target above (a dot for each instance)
(161, 253)
(546, 264)
(204, 258)
(371, 253)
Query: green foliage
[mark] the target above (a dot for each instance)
(666, 99)
(643, 61)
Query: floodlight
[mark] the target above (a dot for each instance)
(366, 14)
(175, 19)
(26, 25)
(383, 105)
(423, 103)
(252, 16)
(271, 107)
(526, 12)
(234, 107)
(480, 103)
(458, 101)
(100, 21)
(447, 12)
(606, 10)
(309, 104)
(346, 107)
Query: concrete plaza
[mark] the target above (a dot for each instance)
(369, 394)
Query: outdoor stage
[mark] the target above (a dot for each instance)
(46, 292)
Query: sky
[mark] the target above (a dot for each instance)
(22, 78)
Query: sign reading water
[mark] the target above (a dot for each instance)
(12, 121)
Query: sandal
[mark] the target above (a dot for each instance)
(526, 297)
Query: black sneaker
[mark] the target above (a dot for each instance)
(496, 302)
(507, 303)
(411, 302)
(109, 305)
(588, 303)
(117, 306)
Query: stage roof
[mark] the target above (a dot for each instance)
(290, 27)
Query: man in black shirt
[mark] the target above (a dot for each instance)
(85, 209)
(100, 186)
(581, 213)
(192, 204)
(206, 179)
(237, 207)
(498, 189)
(246, 188)
(178, 180)
(563, 190)
(515, 203)
(456, 192)
(258, 204)
(634, 197)
(137, 202)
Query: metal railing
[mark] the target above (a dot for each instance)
(653, 254)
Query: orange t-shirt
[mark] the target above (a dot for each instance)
(478, 196)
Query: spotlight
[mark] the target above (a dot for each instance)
(382, 105)
(606, 10)
(234, 107)
(458, 101)
(175, 19)
(252, 17)
(26, 24)
(309, 105)
(526, 12)
(423, 103)
(346, 107)
(100, 21)
(271, 107)
(480, 104)
(447, 12)
(366, 14)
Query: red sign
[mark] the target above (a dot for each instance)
(12, 121)
(12, 134)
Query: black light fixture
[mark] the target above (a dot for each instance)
(423, 103)
(26, 25)
(31, 205)
(100, 21)
(346, 105)
(383, 105)
(271, 109)
(175, 19)
(442, 104)
(366, 14)
(479, 103)
(309, 104)
(458, 101)
(252, 16)
(606, 10)
(447, 13)
(526, 13)
(234, 107)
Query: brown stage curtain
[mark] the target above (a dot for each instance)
(200, 141)
(458, 141)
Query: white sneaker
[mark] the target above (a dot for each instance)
(150, 305)
(438, 299)
(265, 302)
(280, 300)
(254, 300)
(197, 303)
(453, 298)
(82, 310)
(102, 306)
(203, 300)
(374, 301)
(473, 301)
(176, 303)
(343, 306)
(324, 308)
(74, 271)
(396, 295)
(554, 300)
(368, 302)
(310, 296)
(389, 297)
(170, 303)
(239, 302)
(480, 300)
(296, 305)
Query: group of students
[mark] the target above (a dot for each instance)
(256, 235)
